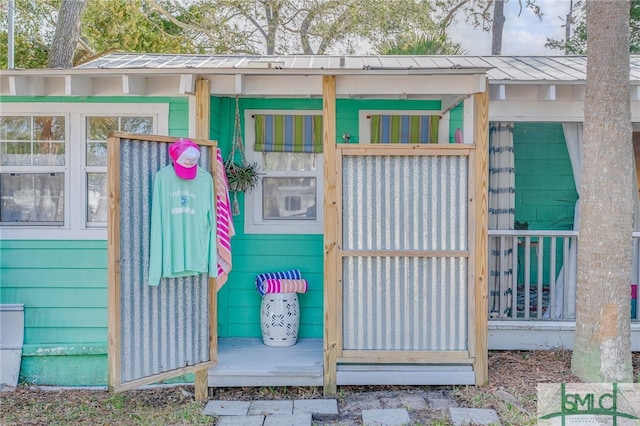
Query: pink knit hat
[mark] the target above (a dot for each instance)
(185, 155)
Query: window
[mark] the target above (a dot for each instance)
(32, 154)
(398, 126)
(287, 146)
(53, 182)
(97, 131)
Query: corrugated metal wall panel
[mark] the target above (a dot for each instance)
(395, 303)
(405, 203)
(162, 328)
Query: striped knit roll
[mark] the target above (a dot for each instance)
(277, 285)
(292, 274)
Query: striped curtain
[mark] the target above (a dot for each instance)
(404, 128)
(288, 133)
(501, 216)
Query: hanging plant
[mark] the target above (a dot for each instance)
(241, 177)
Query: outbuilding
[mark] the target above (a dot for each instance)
(428, 201)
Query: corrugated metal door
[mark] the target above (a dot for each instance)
(405, 252)
(155, 332)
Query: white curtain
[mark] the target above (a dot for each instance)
(501, 216)
(573, 138)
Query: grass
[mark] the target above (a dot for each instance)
(511, 391)
(78, 407)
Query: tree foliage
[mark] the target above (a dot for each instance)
(302, 26)
(131, 26)
(34, 32)
(107, 25)
(576, 44)
(220, 27)
(422, 45)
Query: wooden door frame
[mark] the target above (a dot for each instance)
(478, 225)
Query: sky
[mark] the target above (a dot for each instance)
(523, 35)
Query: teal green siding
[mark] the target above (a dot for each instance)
(63, 285)
(178, 117)
(64, 370)
(238, 301)
(456, 121)
(347, 112)
(545, 188)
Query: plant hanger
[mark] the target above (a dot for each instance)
(242, 176)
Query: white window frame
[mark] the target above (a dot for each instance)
(76, 225)
(253, 221)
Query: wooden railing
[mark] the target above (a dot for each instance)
(532, 274)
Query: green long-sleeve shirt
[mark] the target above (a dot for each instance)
(183, 227)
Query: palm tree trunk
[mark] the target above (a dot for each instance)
(602, 349)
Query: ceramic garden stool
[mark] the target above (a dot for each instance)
(280, 319)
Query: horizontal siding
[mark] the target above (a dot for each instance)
(74, 258)
(54, 317)
(179, 117)
(42, 297)
(50, 278)
(52, 244)
(348, 109)
(239, 301)
(63, 285)
(65, 335)
(545, 188)
(273, 245)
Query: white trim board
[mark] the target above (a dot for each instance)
(541, 335)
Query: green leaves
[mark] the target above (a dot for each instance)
(241, 178)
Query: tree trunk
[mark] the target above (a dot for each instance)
(602, 350)
(67, 34)
(272, 13)
(497, 27)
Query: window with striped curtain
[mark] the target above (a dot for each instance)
(288, 133)
(404, 128)
(287, 147)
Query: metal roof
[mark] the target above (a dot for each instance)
(552, 69)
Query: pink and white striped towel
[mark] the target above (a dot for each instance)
(280, 285)
(224, 222)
